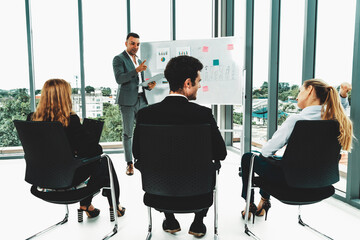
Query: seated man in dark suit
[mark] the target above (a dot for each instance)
(183, 75)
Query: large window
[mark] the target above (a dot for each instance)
(334, 52)
(56, 42)
(14, 74)
(151, 19)
(105, 33)
(291, 54)
(186, 12)
(260, 72)
(239, 33)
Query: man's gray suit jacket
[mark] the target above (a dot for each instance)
(127, 78)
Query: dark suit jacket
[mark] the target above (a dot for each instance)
(127, 78)
(178, 110)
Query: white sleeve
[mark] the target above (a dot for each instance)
(345, 104)
(280, 137)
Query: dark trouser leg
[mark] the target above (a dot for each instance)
(245, 163)
(100, 178)
(199, 216)
(262, 168)
(169, 216)
(86, 201)
(83, 174)
(106, 181)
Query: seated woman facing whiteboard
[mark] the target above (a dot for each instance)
(55, 105)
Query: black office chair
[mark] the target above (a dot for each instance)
(310, 166)
(50, 164)
(176, 161)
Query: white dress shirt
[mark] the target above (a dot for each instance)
(140, 90)
(281, 136)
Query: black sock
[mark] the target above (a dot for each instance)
(129, 163)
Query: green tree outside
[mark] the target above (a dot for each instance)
(89, 89)
(112, 131)
(106, 91)
(15, 107)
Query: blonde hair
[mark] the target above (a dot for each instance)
(332, 110)
(55, 102)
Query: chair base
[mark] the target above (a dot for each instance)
(301, 222)
(112, 233)
(53, 226)
(249, 233)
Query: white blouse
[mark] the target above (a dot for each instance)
(281, 136)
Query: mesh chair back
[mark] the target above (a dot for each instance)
(48, 156)
(312, 155)
(93, 127)
(176, 160)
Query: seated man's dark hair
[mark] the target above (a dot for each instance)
(181, 68)
(135, 35)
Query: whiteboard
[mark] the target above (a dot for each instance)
(221, 77)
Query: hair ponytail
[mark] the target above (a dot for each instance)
(332, 110)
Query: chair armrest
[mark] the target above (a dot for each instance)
(272, 160)
(88, 160)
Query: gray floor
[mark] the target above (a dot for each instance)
(22, 214)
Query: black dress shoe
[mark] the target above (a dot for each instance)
(171, 226)
(198, 229)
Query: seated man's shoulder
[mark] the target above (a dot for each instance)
(199, 107)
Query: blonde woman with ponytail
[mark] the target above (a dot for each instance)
(318, 101)
(55, 105)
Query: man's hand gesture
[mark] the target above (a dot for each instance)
(141, 67)
(344, 89)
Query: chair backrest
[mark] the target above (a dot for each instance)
(311, 157)
(48, 156)
(176, 160)
(94, 127)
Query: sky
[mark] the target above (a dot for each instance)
(56, 42)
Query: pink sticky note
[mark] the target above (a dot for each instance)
(205, 49)
(230, 46)
(205, 88)
(147, 79)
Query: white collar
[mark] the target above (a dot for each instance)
(177, 95)
(136, 57)
(313, 108)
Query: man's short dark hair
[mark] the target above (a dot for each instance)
(181, 68)
(135, 35)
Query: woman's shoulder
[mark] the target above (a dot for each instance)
(74, 116)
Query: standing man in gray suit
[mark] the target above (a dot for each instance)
(129, 73)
